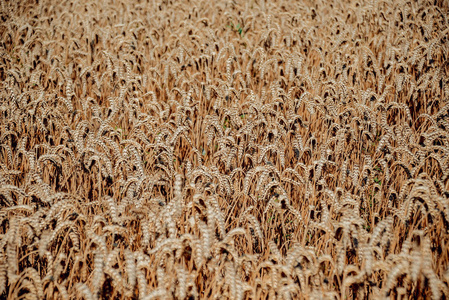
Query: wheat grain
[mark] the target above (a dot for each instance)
(132, 160)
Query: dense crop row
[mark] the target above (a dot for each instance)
(224, 149)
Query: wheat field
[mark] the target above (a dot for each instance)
(204, 149)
